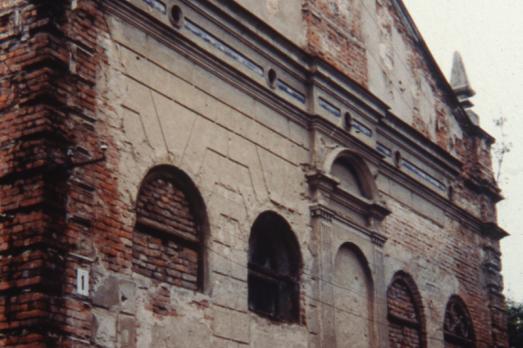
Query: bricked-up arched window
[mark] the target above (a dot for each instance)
(405, 315)
(274, 269)
(169, 230)
(457, 327)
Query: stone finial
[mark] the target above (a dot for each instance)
(460, 82)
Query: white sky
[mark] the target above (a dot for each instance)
(489, 36)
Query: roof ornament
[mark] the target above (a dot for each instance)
(460, 84)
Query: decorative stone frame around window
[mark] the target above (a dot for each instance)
(274, 269)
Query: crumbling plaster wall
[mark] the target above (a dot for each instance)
(400, 76)
(244, 159)
(442, 255)
(284, 16)
(444, 258)
(367, 40)
(156, 107)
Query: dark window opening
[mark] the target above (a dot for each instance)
(274, 266)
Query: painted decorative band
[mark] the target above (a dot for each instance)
(227, 50)
(157, 5)
(360, 128)
(423, 175)
(282, 86)
(384, 150)
(330, 108)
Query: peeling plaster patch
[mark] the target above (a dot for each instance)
(105, 328)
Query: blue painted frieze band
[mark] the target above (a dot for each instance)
(227, 50)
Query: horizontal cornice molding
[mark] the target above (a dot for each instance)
(311, 71)
(322, 211)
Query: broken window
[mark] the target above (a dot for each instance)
(274, 267)
(404, 313)
(458, 326)
(167, 238)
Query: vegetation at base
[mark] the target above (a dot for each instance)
(515, 324)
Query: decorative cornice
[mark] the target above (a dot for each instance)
(378, 239)
(489, 229)
(379, 211)
(169, 37)
(485, 187)
(319, 210)
(345, 139)
(492, 230)
(304, 67)
(371, 210)
(320, 181)
(393, 128)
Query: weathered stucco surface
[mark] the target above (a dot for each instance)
(370, 42)
(345, 131)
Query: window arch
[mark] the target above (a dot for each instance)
(169, 231)
(352, 171)
(457, 327)
(405, 313)
(274, 269)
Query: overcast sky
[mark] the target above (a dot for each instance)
(489, 35)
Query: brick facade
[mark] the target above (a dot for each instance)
(167, 238)
(405, 314)
(138, 150)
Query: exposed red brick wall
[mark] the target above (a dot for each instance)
(161, 201)
(28, 277)
(48, 66)
(453, 250)
(165, 260)
(336, 38)
(404, 314)
(58, 218)
(166, 240)
(458, 327)
(160, 302)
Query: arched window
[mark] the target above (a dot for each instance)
(458, 329)
(352, 172)
(169, 230)
(274, 269)
(353, 298)
(405, 315)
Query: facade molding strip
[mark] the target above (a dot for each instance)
(386, 124)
